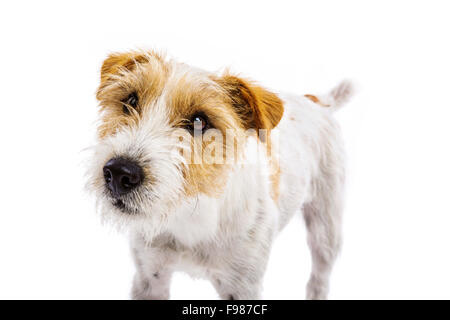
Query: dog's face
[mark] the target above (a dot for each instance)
(168, 133)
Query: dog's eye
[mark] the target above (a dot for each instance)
(131, 101)
(199, 123)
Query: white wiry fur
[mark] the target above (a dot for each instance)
(227, 239)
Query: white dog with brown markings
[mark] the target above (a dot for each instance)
(204, 170)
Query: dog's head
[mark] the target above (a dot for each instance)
(169, 132)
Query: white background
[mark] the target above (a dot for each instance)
(396, 232)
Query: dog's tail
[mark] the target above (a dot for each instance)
(336, 98)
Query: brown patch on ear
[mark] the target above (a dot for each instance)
(316, 100)
(124, 61)
(117, 61)
(257, 107)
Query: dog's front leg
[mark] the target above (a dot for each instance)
(151, 287)
(243, 268)
(230, 288)
(240, 280)
(153, 272)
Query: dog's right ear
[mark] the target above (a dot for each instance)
(120, 61)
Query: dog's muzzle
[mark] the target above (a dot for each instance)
(122, 176)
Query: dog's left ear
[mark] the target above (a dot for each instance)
(257, 107)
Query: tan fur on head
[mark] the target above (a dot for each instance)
(117, 62)
(187, 95)
(123, 73)
(230, 102)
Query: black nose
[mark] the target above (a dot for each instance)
(122, 175)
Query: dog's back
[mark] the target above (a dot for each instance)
(312, 173)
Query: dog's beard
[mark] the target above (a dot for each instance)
(157, 150)
(137, 202)
(145, 209)
(133, 212)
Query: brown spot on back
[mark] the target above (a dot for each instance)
(275, 180)
(316, 100)
(274, 173)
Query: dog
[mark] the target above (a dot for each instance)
(203, 170)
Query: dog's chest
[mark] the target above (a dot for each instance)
(196, 221)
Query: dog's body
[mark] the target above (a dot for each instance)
(224, 228)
